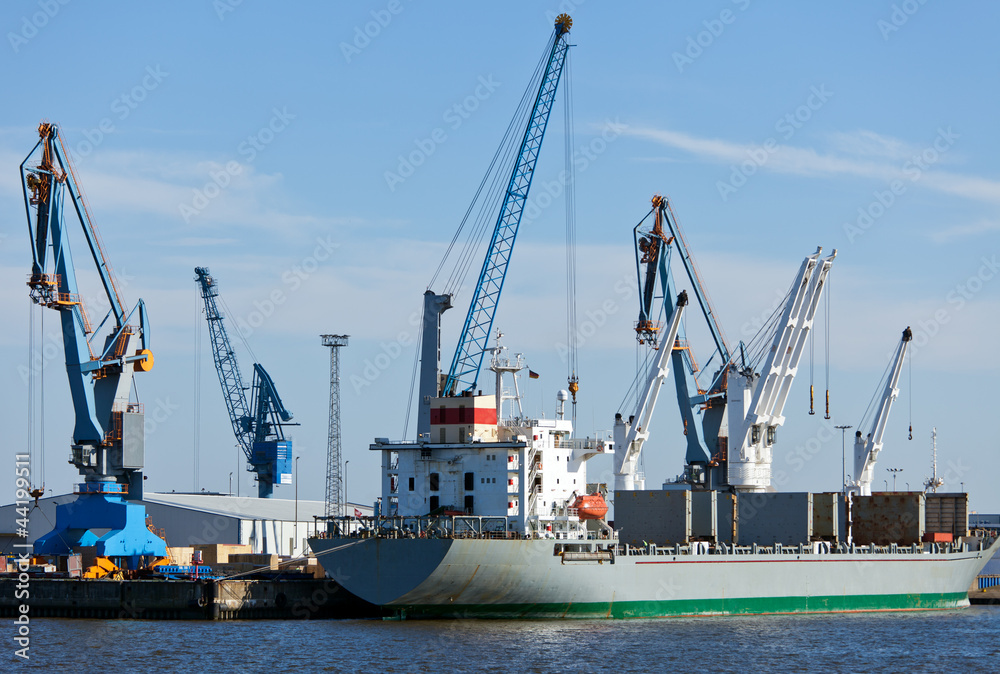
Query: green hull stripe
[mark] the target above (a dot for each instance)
(691, 607)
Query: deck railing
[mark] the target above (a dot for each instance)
(471, 526)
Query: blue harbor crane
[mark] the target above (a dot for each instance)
(653, 247)
(472, 344)
(108, 444)
(257, 423)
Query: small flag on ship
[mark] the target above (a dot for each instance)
(358, 513)
(532, 374)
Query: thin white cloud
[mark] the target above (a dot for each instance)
(866, 143)
(876, 157)
(168, 185)
(200, 241)
(964, 231)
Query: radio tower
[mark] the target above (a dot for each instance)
(334, 504)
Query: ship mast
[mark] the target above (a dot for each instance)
(932, 483)
(500, 364)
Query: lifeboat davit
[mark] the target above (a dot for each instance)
(590, 507)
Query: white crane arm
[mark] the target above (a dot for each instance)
(754, 435)
(627, 452)
(866, 449)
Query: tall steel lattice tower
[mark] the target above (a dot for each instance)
(334, 506)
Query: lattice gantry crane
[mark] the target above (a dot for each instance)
(257, 423)
(472, 345)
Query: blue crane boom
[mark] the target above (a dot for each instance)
(653, 246)
(465, 366)
(257, 423)
(666, 215)
(108, 441)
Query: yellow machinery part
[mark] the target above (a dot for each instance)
(102, 568)
(146, 364)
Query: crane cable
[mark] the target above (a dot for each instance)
(41, 407)
(508, 151)
(571, 320)
(909, 394)
(641, 370)
(36, 395)
(239, 333)
(413, 376)
(31, 386)
(482, 208)
(759, 344)
(196, 425)
(866, 417)
(826, 327)
(812, 370)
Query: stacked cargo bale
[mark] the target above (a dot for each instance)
(947, 514)
(829, 518)
(774, 518)
(886, 518)
(662, 517)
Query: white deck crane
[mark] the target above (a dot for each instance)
(630, 435)
(756, 401)
(866, 449)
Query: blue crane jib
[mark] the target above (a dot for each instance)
(653, 250)
(653, 245)
(258, 422)
(464, 371)
(108, 443)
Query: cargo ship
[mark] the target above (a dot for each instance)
(732, 553)
(489, 513)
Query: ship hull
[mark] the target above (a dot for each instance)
(482, 578)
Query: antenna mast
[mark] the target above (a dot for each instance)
(932, 483)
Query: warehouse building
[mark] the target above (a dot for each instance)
(269, 526)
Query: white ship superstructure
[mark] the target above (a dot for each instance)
(482, 457)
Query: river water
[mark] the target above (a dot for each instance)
(959, 640)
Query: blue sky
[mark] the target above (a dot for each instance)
(773, 127)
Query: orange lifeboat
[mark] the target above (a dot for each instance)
(590, 506)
